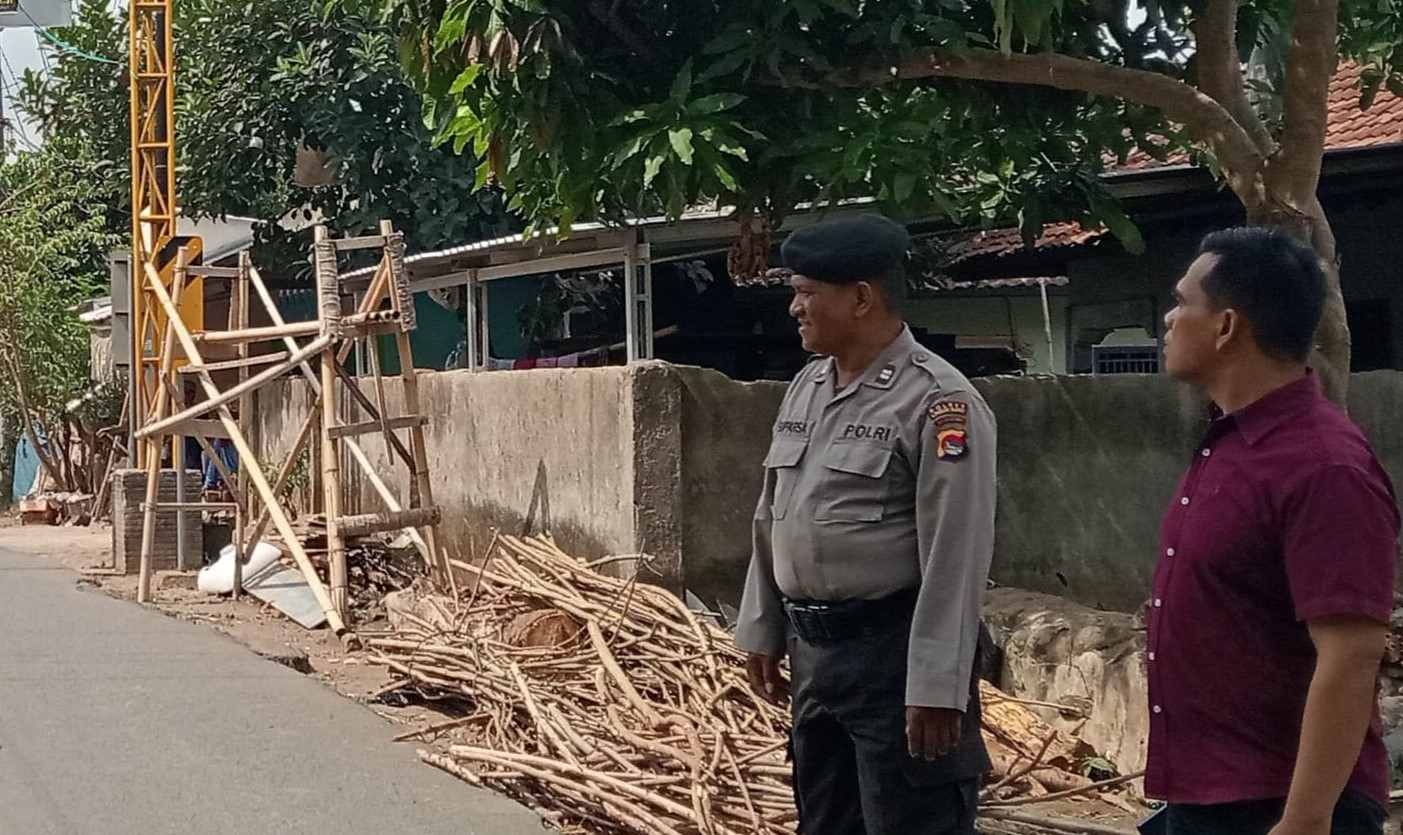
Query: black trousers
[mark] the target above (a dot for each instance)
(1354, 815)
(853, 774)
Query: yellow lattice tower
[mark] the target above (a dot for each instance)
(154, 209)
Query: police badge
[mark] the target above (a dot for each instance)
(949, 419)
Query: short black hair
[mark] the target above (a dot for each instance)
(1273, 280)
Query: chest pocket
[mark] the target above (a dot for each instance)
(855, 484)
(782, 465)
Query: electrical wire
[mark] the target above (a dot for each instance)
(61, 45)
(43, 53)
(8, 89)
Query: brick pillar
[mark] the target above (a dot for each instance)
(128, 492)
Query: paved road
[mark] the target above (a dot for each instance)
(115, 720)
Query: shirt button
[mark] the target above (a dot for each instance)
(1158, 710)
(1158, 603)
(1184, 501)
(1152, 656)
(1169, 553)
(1207, 452)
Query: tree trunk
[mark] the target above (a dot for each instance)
(9, 438)
(1331, 358)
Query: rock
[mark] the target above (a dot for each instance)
(1064, 653)
(167, 580)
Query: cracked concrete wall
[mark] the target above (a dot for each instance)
(1087, 466)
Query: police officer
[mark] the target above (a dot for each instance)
(872, 543)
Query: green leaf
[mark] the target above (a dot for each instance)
(682, 84)
(465, 79)
(725, 66)
(651, 169)
(728, 41)
(682, 143)
(903, 187)
(450, 32)
(631, 150)
(717, 103)
(725, 176)
(733, 150)
(1110, 213)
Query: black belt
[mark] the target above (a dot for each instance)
(826, 621)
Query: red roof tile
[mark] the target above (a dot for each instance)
(1008, 241)
(1349, 127)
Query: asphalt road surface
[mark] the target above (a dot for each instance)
(116, 720)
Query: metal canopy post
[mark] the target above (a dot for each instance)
(646, 311)
(632, 321)
(475, 322)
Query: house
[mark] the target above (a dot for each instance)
(1107, 311)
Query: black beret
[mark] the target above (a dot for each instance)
(847, 250)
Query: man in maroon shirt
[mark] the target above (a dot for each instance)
(1274, 586)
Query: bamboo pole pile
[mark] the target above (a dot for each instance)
(606, 703)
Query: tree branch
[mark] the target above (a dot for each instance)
(1220, 69)
(1206, 119)
(609, 17)
(1295, 173)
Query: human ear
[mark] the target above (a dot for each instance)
(1230, 327)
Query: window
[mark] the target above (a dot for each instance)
(1125, 359)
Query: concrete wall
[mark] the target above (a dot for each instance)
(667, 460)
(552, 447)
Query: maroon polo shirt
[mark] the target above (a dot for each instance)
(1284, 517)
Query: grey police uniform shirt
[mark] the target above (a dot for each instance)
(873, 490)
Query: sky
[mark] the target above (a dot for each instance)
(19, 51)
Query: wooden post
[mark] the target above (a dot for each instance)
(331, 464)
(182, 261)
(239, 488)
(410, 380)
(304, 435)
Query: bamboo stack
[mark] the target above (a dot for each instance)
(613, 708)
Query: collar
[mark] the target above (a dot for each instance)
(1260, 418)
(884, 369)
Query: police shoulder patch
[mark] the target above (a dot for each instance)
(949, 420)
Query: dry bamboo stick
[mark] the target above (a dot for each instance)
(547, 769)
(547, 729)
(218, 399)
(268, 334)
(304, 435)
(1088, 789)
(611, 666)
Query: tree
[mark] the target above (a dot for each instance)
(982, 110)
(256, 82)
(53, 250)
